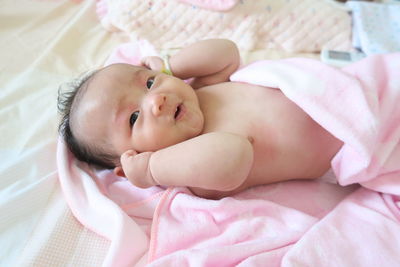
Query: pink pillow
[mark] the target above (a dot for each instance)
(131, 53)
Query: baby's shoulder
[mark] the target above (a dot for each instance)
(239, 89)
(224, 86)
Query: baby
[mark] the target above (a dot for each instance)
(214, 136)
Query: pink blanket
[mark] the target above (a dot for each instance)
(296, 223)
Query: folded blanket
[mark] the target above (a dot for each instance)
(278, 224)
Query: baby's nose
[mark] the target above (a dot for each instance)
(158, 104)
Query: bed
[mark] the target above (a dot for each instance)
(80, 219)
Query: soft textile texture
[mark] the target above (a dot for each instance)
(376, 27)
(358, 105)
(295, 26)
(280, 223)
(168, 227)
(131, 53)
(42, 45)
(219, 5)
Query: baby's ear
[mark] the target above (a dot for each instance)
(119, 171)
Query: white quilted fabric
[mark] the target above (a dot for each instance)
(290, 25)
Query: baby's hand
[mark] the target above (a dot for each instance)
(153, 63)
(136, 168)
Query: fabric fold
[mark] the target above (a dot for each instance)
(357, 104)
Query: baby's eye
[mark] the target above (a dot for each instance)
(133, 118)
(150, 82)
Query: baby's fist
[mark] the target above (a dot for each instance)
(136, 168)
(153, 63)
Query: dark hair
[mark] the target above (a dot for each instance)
(66, 103)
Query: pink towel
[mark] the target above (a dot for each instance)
(296, 223)
(359, 105)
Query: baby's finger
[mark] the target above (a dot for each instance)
(147, 62)
(127, 155)
(144, 62)
(153, 63)
(130, 152)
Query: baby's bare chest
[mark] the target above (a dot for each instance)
(249, 110)
(282, 134)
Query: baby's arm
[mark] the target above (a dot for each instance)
(214, 161)
(209, 62)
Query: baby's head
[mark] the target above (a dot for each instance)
(124, 107)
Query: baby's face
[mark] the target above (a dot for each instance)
(130, 107)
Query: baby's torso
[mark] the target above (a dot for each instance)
(287, 143)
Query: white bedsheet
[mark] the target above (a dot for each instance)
(42, 44)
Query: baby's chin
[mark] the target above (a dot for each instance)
(197, 131)
(196, 127)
